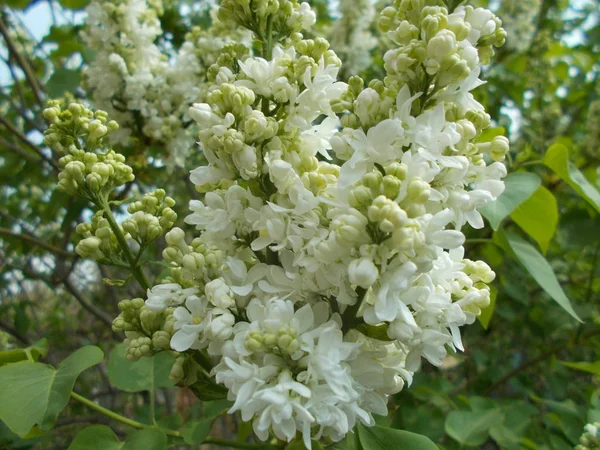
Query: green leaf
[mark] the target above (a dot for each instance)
(18, 4)
(101, 437)
(538, 216)
(195, 431)
(216, 408)
(378, 332)
(148, 439)
(380, 438)
(98, 437)
(584, 366)
(34, 393)
(487, 312)
(518, 188)
(35, 352)
(557, 158)
(472, 427)
(147, 374)
(21, 319)
(74, 4)
(489, 134)
(61, 81)
(541, 271)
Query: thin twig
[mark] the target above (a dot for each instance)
(27, 70)
(100, 315)
(39, 243)
(13, 332)
(532, 362)
(26, 141)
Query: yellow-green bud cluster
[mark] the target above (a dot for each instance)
(429, 41)
(195, 262)
(147, 331)
(91, 175)
(478, 276)
(78, 132)
(284, 17)
(283, 342)
(312, 50)
(99, 241)
(151, 217)
(227, 61)
(75, 126)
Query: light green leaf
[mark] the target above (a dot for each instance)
(541, 271)
(147, 374)
(489, 134)
(584, 366)
(34, 393)
(195, 431)
(519, 187)
(61, 81)
(487, 312)
(557, 158)
(471, 428)
(101, 437)
(380, 438)
(538, 216)
(35, 352)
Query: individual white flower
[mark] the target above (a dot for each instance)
(363, 272)
(190, 321)
(162, 296)
(382, 144)
(219, 294)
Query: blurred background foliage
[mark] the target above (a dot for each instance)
(529, 375)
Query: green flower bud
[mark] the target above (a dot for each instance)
(161, 340)
(177, 371)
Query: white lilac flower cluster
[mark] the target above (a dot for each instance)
(590, 440)
(329, 259)
(143, 85)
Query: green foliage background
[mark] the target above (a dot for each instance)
(529, 375)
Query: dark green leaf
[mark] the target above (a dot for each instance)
(380, 438)
(471, 427)
(21, 319)
(101, 437)
(195, 431)
(61, 81)
(541, 271)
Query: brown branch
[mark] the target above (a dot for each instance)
(534, 361)
(26, 141)
(27, 70)
(100, 315)
(39, 243)
(23, 154)
(13, 332)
